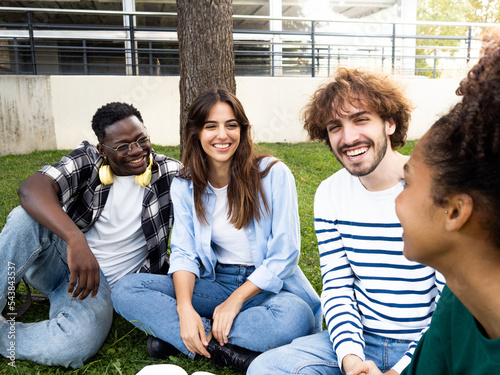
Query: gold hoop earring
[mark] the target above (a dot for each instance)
(145, 178)
(106, 174)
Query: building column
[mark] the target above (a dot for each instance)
(129, 6)
(275, 10)
(408, 9)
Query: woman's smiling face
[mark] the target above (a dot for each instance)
(220, 135)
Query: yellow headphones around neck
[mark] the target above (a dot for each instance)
(106, 175)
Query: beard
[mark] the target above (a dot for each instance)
(362, 168)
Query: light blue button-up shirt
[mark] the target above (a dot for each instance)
(274, 239)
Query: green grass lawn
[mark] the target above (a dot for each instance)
(124, 351)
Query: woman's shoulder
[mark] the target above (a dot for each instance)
(278, 172)
(181, 190)
(277, 164)
(181, 183)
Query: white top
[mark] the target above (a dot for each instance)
(230, 244)
(117, 239)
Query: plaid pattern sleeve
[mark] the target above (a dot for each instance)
(158, 214)
(80, 192)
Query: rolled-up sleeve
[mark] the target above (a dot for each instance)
(277, 234)
(183, 242)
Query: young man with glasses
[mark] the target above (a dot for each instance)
(98, 214)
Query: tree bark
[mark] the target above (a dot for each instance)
(206, 53)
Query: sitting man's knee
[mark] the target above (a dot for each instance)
(72, 349)
(18, 214)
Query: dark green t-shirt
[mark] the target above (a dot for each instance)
(454, 344)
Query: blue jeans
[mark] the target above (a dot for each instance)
(75, 329)
(266, 321)
(314, 354)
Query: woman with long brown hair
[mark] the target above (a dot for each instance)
(234, 288)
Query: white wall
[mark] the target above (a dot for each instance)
(62, 107)
(432, 99)
(76, 99)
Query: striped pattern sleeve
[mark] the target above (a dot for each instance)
(337, 298)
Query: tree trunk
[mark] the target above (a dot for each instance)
(205, 33)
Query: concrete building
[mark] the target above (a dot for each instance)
(62, 64)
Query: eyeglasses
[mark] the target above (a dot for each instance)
(125, 149)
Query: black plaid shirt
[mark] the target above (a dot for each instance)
(83, 197)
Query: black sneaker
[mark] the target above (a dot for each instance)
(231, 355)
(160, 349)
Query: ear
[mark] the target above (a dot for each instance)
(458, 211)
(101, 150)
(390, 126)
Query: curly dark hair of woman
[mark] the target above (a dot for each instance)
(463, 147)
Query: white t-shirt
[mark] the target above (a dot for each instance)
(117, 239)
(230, 244)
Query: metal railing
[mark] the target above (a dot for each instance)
(300, 47)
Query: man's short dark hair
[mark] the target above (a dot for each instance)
(109, 114)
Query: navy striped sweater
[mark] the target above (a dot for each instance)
(368, 285)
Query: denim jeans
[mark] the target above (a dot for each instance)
(265, 321)
(314, 354)
(75, 329)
